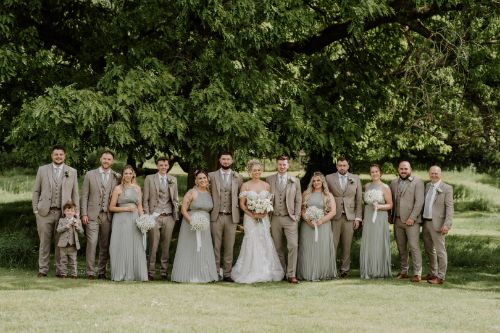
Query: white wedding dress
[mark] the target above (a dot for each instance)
(258, 260)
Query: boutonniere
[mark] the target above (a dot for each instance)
(234, 174)
(291, 180)
(170, 182)
(351, 181)
(410, 178)
(116, 174)
(66, 174)
(438, 190)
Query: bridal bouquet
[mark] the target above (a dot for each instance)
(199, 222)
(313, 214)
(258, 204)
(145, 223)
(373, 197)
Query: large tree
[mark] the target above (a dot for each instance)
(370, 79)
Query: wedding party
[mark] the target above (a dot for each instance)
(129, 223)
(249, 166)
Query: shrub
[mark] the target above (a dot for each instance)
(17, 249)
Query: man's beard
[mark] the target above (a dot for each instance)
(405, 178)
(226, 167)
(343, 173)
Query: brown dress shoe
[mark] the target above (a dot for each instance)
(101, 276)
(90, 277)
(416, 278)
(41, 275)
(293, 280)
(164, 277)
(429, 276)
(228, 279)
(343, 275)
(436, 280)
(402, 276)
(151, 278)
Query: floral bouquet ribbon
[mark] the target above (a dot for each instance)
(373, 197)
(259, 204)
(199, 222)
(145, 223)
(313, 214)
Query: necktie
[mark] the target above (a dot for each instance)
(282, 182)
(428, 203)
(226, 178)
(163, 182)
(344, 182)
(104, 178)
(57, 173)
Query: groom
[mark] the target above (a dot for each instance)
(55, 185)
(287, 202)
(96, 194)
(225, 186)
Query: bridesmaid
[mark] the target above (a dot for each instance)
(317, 259)
(375, 253)
(191, 265)
(126, 249)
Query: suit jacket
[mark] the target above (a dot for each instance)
(93, 198)
(42, 190)
(215, 187)
(350, 200)
(66, 233)
(152, 194)
(412, 200)
(293, 194)
(442, 206)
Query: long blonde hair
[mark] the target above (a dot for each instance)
(127, 167)
(325, 192)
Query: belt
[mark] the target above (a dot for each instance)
(55, 208)
(166, 214)
(224, 213)
(426, 219)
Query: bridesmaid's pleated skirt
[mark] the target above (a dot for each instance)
(191, 265)
(375, 252)
(316, 259)
(126, 249)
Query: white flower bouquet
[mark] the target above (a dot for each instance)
(145, 223)
(373, 197)
(259, 204)
(199, 222)
(313, 214)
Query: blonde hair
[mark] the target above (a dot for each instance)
(128, 167)
(251, 164)
(325, 192)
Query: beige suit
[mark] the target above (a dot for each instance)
(48, 212)
(95, 203)
(69, 244)
(349, 205)
(286, 222)
(408, 203)
(162, 232)
(434, 241)
(223, 224)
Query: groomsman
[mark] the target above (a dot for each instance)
(348, 193)
(161, 196)
(438, 218)
(408, 198)
(287, 198)
(55, 185)
(225, 186)
(98, 185)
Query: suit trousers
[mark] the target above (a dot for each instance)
(68, 260)
(46, 227)
(408, 236)
(223, 229)
(285, 225)
(343, 230)
(435, 248)
(160, 234)
(98, 232)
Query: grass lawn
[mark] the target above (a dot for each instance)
(469, 301)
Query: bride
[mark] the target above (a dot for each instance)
(258, 260)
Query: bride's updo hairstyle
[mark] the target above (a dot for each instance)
(253, 163)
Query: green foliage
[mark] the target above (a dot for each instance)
(18, 250)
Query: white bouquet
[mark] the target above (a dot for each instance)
(313, 214)
(373, 197)
(259, 204)
(199, 222)
(145, 223)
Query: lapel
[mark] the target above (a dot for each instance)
(50, 175)
(336, 181)
(63, 176)
(288, 186)
(170, 188)
(156, 181)
(218, 181)
(407, 186)
(234, 184)
(437, 193)
(272, 183)
(98, 180)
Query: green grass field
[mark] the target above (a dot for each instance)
(469, 301)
